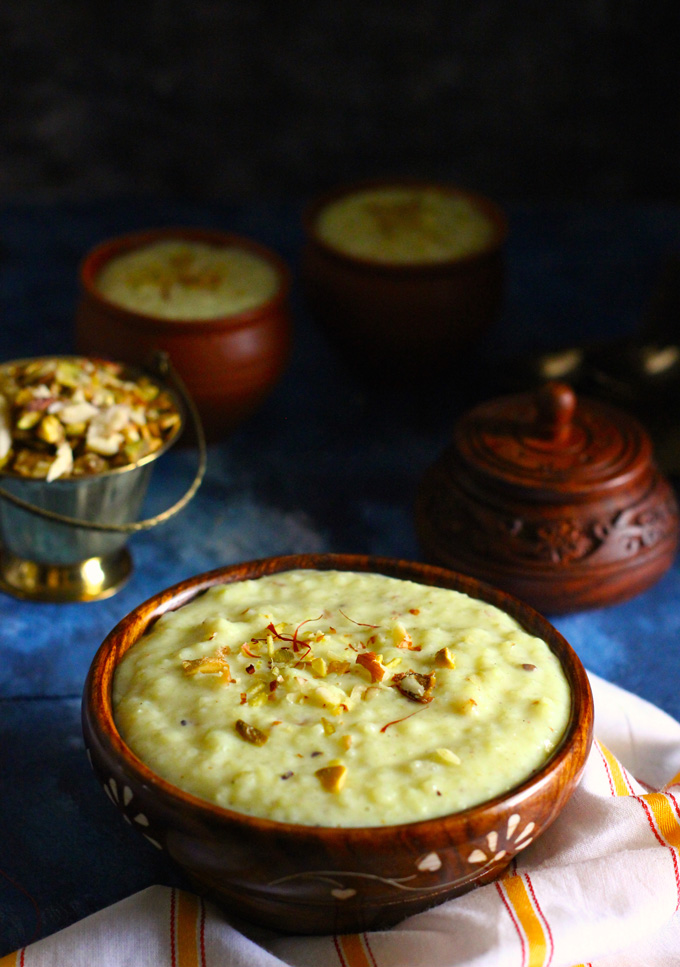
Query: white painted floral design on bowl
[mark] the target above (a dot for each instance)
(509, 842)
(122, 799)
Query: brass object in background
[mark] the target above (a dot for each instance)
(64, 540)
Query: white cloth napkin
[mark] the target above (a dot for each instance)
(600, 888)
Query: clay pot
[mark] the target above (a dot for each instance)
(229, 364)
(316, 879)
(415, 318)
(553, 499)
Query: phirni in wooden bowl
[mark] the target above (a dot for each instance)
(323, 879)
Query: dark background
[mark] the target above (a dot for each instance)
(235, 99)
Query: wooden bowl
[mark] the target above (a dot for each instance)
(228, 363)
(315, 879)
(417, 317)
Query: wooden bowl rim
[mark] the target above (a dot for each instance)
(491, 209)
(98, 256)
(97, 706)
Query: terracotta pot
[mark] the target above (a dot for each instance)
(558, 500)
(415, 317)
(229, 364)
(315, 879)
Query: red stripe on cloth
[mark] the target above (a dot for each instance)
(516, 925)
(674, 855)
(173, 948)
(617, 774)
(202, 935)
(336, 943)
(370, 952)
(650, 819)
(38, 916)
(673, 850)
(542, 916)
(676, 805)
(606, 769)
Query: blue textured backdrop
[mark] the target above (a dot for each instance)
(326, 464)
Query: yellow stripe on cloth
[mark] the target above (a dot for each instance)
(10, 960)
(664, 816)
(537, 944)
(621, 787)
(187, 920)
(353, 951)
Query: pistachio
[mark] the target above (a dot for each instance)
(208, 665)
(28, 419)
(50, 429)
(92, 404)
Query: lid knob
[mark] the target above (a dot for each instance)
(556, 405)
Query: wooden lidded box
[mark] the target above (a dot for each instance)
(554, 499)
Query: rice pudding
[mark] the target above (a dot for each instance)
(338, 698)
(403, 225)
(188, 280)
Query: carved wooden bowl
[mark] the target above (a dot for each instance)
(315, 879)
(413, 317)
(554, 499)
(229, 364)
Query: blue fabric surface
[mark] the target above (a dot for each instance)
(328, 463)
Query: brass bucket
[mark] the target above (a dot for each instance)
(64, 540)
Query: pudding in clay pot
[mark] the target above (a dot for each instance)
(403, 276)
(215, 302)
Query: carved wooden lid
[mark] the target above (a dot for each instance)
(554, 499)
(548, 444)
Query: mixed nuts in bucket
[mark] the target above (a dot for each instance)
(71, 417)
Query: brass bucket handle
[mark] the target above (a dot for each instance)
(164, 368)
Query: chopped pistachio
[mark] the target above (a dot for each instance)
(50, 429)
(28, 419)
(89, 402)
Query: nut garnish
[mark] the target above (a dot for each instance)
(402, 639)
(208, 665)
(372, 663)
(250, 733)
(338, 667)
(444, 659)
(447, 756)
(414, 686)
(75, 417)
(332, 778)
